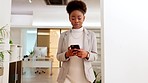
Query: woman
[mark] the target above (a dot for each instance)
(76, 63)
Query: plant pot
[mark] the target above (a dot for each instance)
(1, 67)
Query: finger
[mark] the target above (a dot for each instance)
(80, 56)
(79, 50)
(68, 48)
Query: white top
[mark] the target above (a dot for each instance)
(76, 68)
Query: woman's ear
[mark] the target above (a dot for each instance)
(83, 18)
(69, 17)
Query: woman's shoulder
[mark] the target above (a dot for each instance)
(90, 32)
(64, 33)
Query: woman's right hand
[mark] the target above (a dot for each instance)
(71, 52)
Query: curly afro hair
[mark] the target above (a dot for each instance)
(76, 5)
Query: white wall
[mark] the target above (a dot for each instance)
(52, 19)
(126, 41)
(5, 12)
(21, 20)
(15, 35)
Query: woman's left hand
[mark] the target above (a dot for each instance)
(82, 53)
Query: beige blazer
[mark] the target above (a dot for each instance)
(90, 45)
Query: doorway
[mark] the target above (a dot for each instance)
(49, 38)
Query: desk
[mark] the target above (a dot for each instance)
(38, 62)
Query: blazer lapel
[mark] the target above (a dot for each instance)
(86, 40)
(66, 39)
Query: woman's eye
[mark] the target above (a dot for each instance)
(73, 18)
(79, 18)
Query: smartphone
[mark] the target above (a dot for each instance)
(74, 46)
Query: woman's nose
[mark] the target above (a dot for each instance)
(76, 20)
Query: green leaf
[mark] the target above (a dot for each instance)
(10, 42)
(3, 31)
(1, 55)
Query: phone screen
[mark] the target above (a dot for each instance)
(74, 47)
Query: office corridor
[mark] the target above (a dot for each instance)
(29, 76)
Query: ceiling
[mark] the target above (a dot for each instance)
(23, 7)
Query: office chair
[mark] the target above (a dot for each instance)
(40, 52)
(39, 70)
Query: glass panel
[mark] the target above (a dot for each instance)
(31, 37)
(26, 37)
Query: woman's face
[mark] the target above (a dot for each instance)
(76, 18)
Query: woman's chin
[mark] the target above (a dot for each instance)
(77, 27)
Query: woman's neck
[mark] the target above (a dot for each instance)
(77, 30)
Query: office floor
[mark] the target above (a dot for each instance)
(29, 76)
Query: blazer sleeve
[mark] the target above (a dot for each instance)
(93, 51)
(61, 52)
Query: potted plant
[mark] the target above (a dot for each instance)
(1, 56)
(3, 33)
(96, 76)
(31, 53)
(1, 63)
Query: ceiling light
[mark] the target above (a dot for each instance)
(30, 1)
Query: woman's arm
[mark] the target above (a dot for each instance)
(93, 52)
(60, 52)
